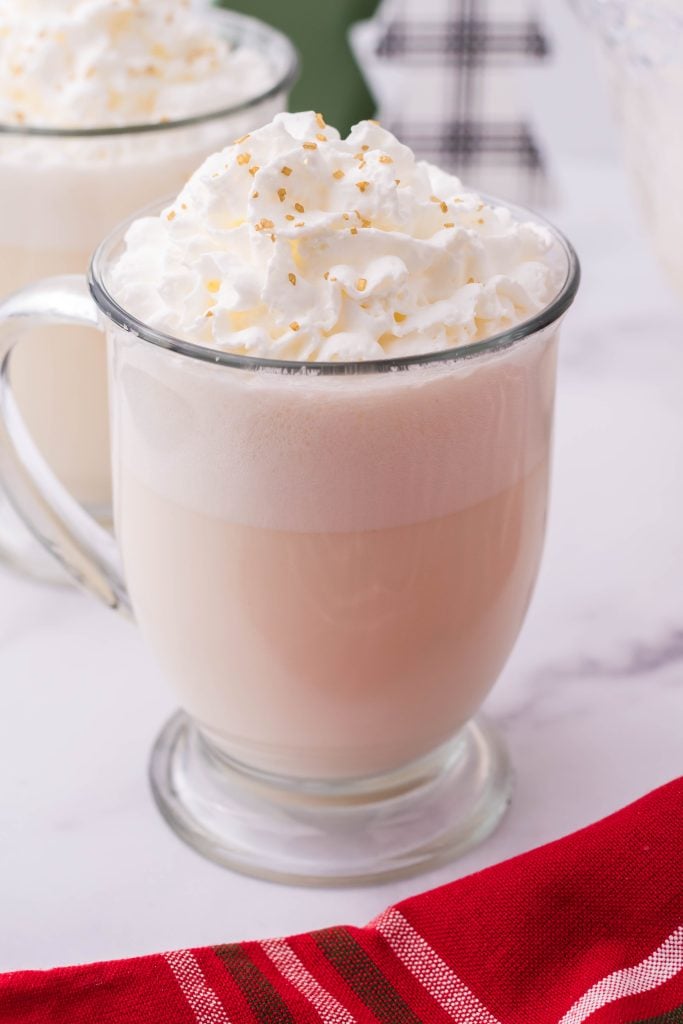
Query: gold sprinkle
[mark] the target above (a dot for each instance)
(362, 185)
(321, 138)
(371, 121)
(321, 121)
(365, 148)
(310, 145)
(384, 159)
(354, 231)
(400, 317)
(397, 181)
(243, 158)
(183, 206)
(470, 280)
(480, 220)
(255, 195)
(242, 138)
(209, 312)
(345, 216)
(299, 225)
(213, 285)
(449, 224)
(434, 199)
(171, 215)
(264, 224)
(289, 216)
(282, 194)
(294, 326)
(292, 278)
(361, 284)
(326, 275)
(286, 171)
(299, 208)
(444, 207)
(338, 175)
(254, 170)
(273, 238)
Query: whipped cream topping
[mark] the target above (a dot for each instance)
(106, 63)
(295, 244)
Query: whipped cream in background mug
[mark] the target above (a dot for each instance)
(90, 63)
(332, 372)
(103, 107)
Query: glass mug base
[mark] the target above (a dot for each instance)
(326, 833)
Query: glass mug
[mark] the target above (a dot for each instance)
(640, 42)
(331, 562)
(61, 193)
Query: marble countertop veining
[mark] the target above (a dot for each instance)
(591, 702)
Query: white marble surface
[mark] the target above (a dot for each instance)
(591, 703)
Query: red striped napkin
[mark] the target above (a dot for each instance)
(589, 928)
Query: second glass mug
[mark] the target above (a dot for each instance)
(61, 192)
(331, 562)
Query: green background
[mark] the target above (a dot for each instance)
(330, 80)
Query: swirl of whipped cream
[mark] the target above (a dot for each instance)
(106, 63)
(295, 244)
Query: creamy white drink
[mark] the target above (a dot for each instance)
(331, 569)
(129, 72)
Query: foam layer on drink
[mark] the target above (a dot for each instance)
(96, 63)
(305, 452)
(296, 244)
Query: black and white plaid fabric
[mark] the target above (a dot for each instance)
(448, 76)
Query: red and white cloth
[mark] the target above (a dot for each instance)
(589, 928)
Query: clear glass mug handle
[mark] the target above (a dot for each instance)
(85, 549)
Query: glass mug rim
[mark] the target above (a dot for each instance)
(248, 26)
(122, 318)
